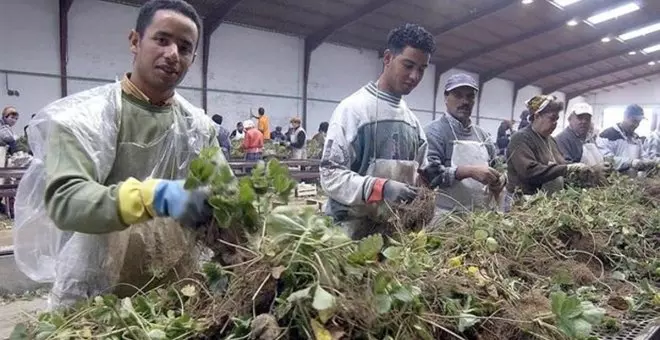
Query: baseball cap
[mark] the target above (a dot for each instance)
(582, 108)
(459, 80)
(634, 111)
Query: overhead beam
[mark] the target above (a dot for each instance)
(315, 39)
(638, 63)
(613, 83)
(621, 27)
(64, 7)
(572, 67)
(211, 23)
(502, 4)
(586, 9)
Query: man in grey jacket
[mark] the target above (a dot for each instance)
(571, 141)
(459, 152)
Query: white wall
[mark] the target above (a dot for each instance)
(248, 68)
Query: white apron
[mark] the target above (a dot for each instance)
(633, 151)
(590, 155)
(298, 153)
(466, 194)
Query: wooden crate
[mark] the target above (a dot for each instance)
(306, 190)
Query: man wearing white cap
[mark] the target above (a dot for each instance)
(460, 152)
(622, 143)
(572, 141)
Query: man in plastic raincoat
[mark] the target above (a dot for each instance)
(103, 202)
(375, 143)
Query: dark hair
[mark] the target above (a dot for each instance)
(217, 119)
(323, 127)
(553, 106)
(261, 111)
(149, 9)
(411, 35)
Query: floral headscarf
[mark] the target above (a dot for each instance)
(539, 102)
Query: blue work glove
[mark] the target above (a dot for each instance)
(189, 208)
(397, 192)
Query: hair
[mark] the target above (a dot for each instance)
(553, 106)
(6, 111)
(323, 127)
(149, 9)
(261, 111)
(217, 119)
(411, 35)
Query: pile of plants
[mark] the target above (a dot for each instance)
(271, 149)
(555, 267)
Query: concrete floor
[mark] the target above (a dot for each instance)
(18, 311)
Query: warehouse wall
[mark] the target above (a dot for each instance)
(248, 68)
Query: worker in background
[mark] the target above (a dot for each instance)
(277, 135)
(253, 142)
(319, 137)
(297, 139)
(375, 144)
(652, 144)
(572, 141)
(504, 132)
(223, 135)
(104, 199)
(623, 145)
(263, 123)
(524, 120)
(238, 133)
(459, 152)
(7, 138)
(534, 162)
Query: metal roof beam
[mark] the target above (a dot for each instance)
(572, 67)
(315, 39)
(211, 23)
(620, 28)
(612, 83)
(604, 73)
(473, 16)
(586, 9)
(64, 7)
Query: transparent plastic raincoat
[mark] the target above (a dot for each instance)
(83, 265)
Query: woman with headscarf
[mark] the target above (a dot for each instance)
(534, 160)
(7, 137)
(253, 142)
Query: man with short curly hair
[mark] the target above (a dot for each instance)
(375, 144)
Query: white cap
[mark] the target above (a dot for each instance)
(582, 108)
(248, 124)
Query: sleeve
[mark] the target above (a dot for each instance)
(232, 134)
(608, 148)
(74, 199)
(246, 142)
(6, 135)
(652, 147)
(524, 161)
(565, 148)
(337, 179)
(436, 156)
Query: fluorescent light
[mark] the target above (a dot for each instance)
(572, 22)
(527, 2)
(651, 63)
(564, 3)
(652, 49)
(606, 39)
(632, 53)
(640, 32)
(613, 13)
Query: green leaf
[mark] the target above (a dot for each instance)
(299, 295)
(383, 303)
(581, 329)
(591, 313)
(157, 334)
(557, 301)
(403, 294)
(393, 253)
(322, 299)
(368, 249)
(245, 191)
(381, 283)
(617, 275)
(465, 321)
(480, 235)
(571, 308)
(20, 332)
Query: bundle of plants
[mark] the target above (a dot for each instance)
(276, 150)
(236, 150)
(556, 267)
